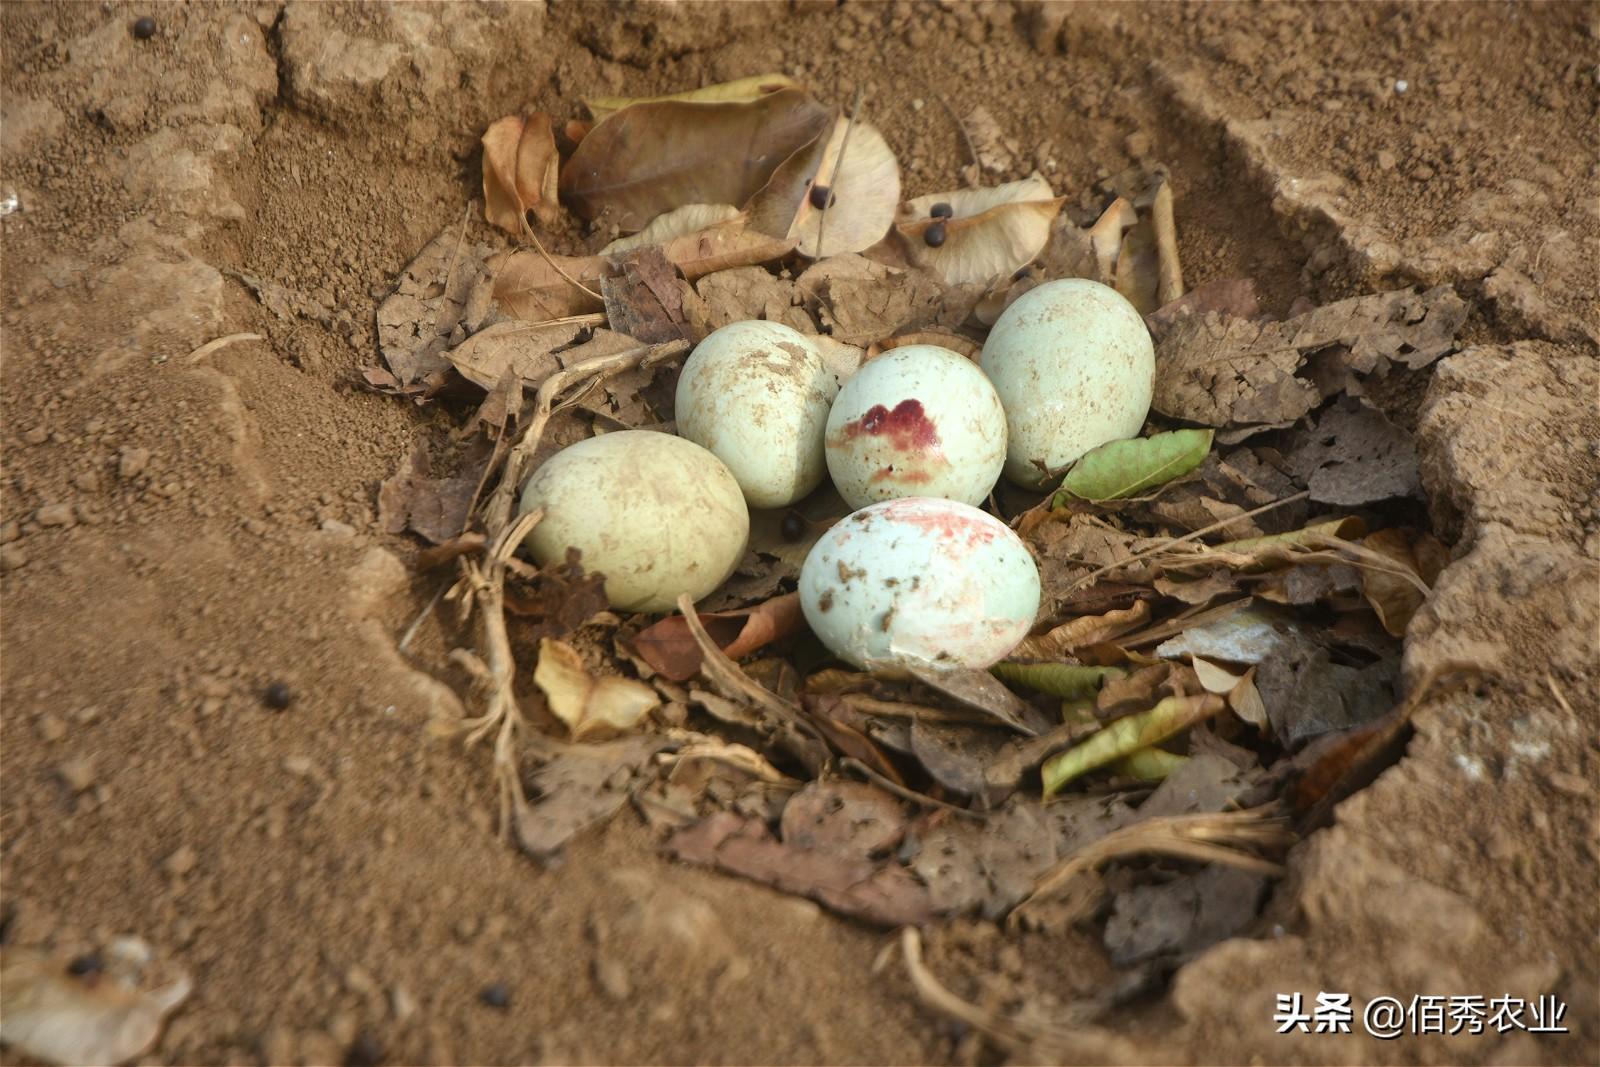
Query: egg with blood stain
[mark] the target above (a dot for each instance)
(920, 582)
(916, 421)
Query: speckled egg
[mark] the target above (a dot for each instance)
(920, 582)
(756, 395)
(916, 421)
(1074, 366)
(657, 515)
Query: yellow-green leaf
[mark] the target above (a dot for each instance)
(1127, 736)
(1119, 469)
(1064, 680)
(1149, 764)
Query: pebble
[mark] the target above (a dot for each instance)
(55, 515)
(497, 995)
(88, 481)
(12, 557)
(10, 531)
(1137, 145)
(364, 1051)
(612, 977)
(278, 696)
(1387, 160)
(340, 529)
(1422, 173)
(402, 1004)
(133, 462)
(51, 728)
(181, 862)
(37, 436)
(77, 774)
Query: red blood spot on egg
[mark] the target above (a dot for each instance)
(907, 427)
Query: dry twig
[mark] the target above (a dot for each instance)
(221, 342)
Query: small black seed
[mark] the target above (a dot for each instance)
(822, 197)
(144, 28)
(794, 526)
(88, 963)
(278, 696)
(496, 995)
(933, 236)
(364, 1051)
(941, 210)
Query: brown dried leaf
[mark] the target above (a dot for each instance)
(644, 297)
(1394, 598)
(443, 295)
(520, 348)
(591, 707)
(651, 158)
(1082, 631)
(751, 293)
(669, 647)
(741, 90)
(680, 222)
(882, 893)
(1228, 298)
(535, 287)
(859, 306)
(520, 163)
(556, 600)
(864, 189)
(1354, 455)
(582, 785)
(1224, 372)
(435, 508)
(850, 820)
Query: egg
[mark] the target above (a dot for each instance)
(756, 394)
(1074, 366)
(916, 421)
(920, 582)
(657, 515)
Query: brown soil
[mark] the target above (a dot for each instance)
(178, 535)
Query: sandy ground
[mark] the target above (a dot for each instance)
(177, 536)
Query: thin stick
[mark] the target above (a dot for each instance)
(411, 631)
(222, 342)
(461, 239)
(853, 764)
(734, 683)
(1166, 545)
(966, 137)
(548, 258)
(1555, 691)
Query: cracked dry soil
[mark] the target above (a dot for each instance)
(179, 536)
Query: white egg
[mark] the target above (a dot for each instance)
(920, 582)
(916, 421)
(657, 515)
(1074, 366)
(756, 394)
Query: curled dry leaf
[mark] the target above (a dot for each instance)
(536, 287)
(51, 1015)
(990, 234)
(740, 91)
(442, 296)
(1066, 680)
(412, 499)
(579, 786)
(669, 647)
(651, 158)
(591, 707)
(1394, 597)
(524, 348)
(1081, 632)
(1354, 455)
(953, 342)
(520, 164)
(680, 222)
(861, 175)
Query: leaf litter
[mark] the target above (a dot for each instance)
(1213, 580)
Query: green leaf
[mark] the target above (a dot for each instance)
(1127, 736)
(1149, 764)
(1058, 679)
(1119, 469)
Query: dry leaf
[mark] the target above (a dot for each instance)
(863, 186)
(521, 348)
(442, 296)
(557, 599)
(520, 164)
(750, 293)
(580, 786)
(1217, 372)
(994, 152)
(669, 647)
(1354, 455)
(680, 222)
(651, 158)
(740, 91)
(645, 297)
(411, 499)
(858, 306)
(991, 233)
(51, 1015)
(535, 287)
(591, 707)
(1233, 298)
(953, 342)
(1394, 597)
(1080, 632)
